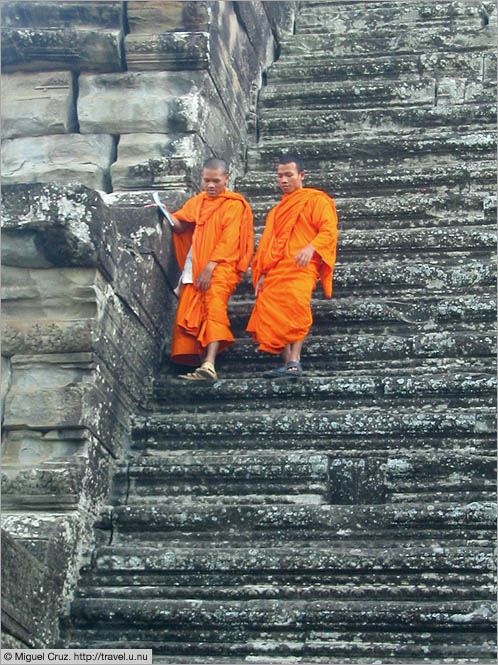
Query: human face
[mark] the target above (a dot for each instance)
(289, 178)
(214, 182)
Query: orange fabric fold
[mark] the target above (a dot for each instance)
(221, 231)
(282, 312)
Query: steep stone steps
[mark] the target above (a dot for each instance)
(337, 352)
(417, 210)
(319, 67)
(340, 18)
(303, 124)
(382, 150)
(344, 314)
(340, 646)
(325, 427)
(299, 523)
(350, 94)
(345, 390)
(271, 477)
(348, 516)
(397, 41)
(457, 178)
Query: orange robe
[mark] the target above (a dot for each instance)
(222, 231)
(282, 312)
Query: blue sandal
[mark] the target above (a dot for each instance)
(276, 373)
(293, 368)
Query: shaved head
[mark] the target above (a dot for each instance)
(216, 163)
(290, 157)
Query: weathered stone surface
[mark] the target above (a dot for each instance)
(57, 541)
(350, 94)
(55, 225)
(334, 18)
(54, 470)
(320, 522)
(62, 158)
(144, 160)
(255, 20)
(428, 147)
(157, 16)
(281, 16)
(62, 14)
(182, 102)
(5, 379)
(88, 38)
(388, 40)
(303, 123)
(30, 597)
(35, 49)
(168, 50)
(396, 404)
(38, 104)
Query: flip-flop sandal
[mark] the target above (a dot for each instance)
(205, 372)
(192, 376)
(276, 373)
(293, 368)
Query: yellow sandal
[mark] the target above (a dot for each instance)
(206, 372)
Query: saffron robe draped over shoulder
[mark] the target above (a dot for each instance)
(282, 312)
(221, 230)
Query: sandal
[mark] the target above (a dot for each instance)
(205, 372)
(276, 373)
(293, 368)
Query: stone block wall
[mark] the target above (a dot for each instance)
(102, 102)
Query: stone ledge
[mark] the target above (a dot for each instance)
(60, 158)
(38, 104)
(30, 597)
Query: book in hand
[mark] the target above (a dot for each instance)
(161, 207)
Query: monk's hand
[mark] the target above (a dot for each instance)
(259, 286)
(303, 257)
(204, 280)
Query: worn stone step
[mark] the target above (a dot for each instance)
(242, 616)
(337, 646)
(390, 40)
(325, 67)
(434, 239)
(421, 210)
(452, 179)
(335, 349)
(461, 274)
(350, 94)
(381, 150)
(339, 18)
(399, 563)
(286, 523)
(341, 390)
(241, 430)
(277, 584)
(390, 315)
(303, 477)
(299, 124)
(253, 478)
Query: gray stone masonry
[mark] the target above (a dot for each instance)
(102, 102)
(344, 517)
(347, 516)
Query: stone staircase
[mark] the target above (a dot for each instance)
(345, 517)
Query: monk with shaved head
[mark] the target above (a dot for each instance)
(298, 246)
(214, 243)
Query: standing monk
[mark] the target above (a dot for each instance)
(297, 247)
(214, 243)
